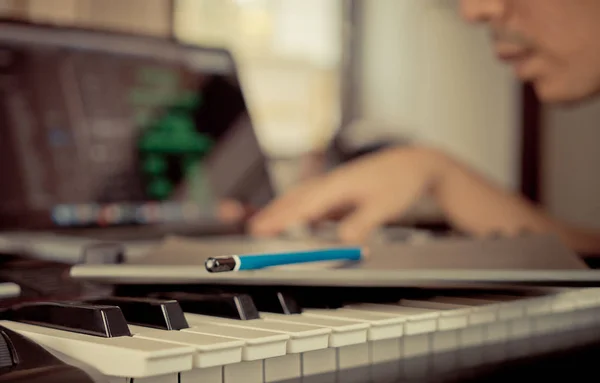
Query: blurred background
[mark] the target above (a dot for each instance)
(350, 74)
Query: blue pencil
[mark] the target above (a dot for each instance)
(260, 261)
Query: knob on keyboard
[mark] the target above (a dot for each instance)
(157, 313)
(234, 306)
(9, 290)
(103, 321)
(7, 359)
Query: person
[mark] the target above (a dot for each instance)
(550, 43)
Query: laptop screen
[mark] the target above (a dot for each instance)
(100, 129)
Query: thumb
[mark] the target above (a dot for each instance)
(358, 226)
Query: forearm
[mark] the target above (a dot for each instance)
(479, 207)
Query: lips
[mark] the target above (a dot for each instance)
(511, 53)
(523, 62)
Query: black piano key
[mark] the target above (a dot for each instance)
(234, 306)
(148, 312)
(24, 361)
(267, 299)
(332, 298)
(276, 302)
(337, 297)
(102, 321)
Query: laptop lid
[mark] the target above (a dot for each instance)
(102, 129)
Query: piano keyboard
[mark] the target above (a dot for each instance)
(220, 337)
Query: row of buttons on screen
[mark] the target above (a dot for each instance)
(119, 214)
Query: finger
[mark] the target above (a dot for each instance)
(299, 207)
(360, 225)
(231, 211)
(337, 214)
(291, 212)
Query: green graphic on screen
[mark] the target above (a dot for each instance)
(171, 138)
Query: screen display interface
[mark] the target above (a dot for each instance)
(90, 137)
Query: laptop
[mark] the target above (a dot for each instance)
(122, 137)
(118, 137)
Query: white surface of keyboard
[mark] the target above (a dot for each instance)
(280, 347)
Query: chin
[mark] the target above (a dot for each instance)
(563, 94)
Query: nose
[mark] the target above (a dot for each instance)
(482, 10)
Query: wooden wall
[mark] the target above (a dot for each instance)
(152, 17)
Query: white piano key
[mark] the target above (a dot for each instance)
(126, 357)
(418, 327)
(487, 324)
(467, 301)
(343, 333)
(515, 322)
(319, 362)
(512, 311)
(560, 314)
(502, 297)
(468, 325)
(419, 320)
(387, 308)
(210, 351)
(452, 316)
(283, 368)
(354, 356)
(169, 378)
(478, 312)
(427, 304)
(587, 304)
(201, 375)
(347, 342)
(244, 372)
(506, 307)
(509, 320)
(385, 350)
(587, 314)
(259, 345)
(549, 326)
(564, 315)
(303, 338)
(446, 340)
(475, 333)
(381, 326)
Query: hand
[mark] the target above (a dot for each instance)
(233, 212)
(369, 192)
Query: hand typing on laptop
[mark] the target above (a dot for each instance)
(562, 65)
(378, 188)
(231, 211)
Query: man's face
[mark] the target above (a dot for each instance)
(555, 44)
